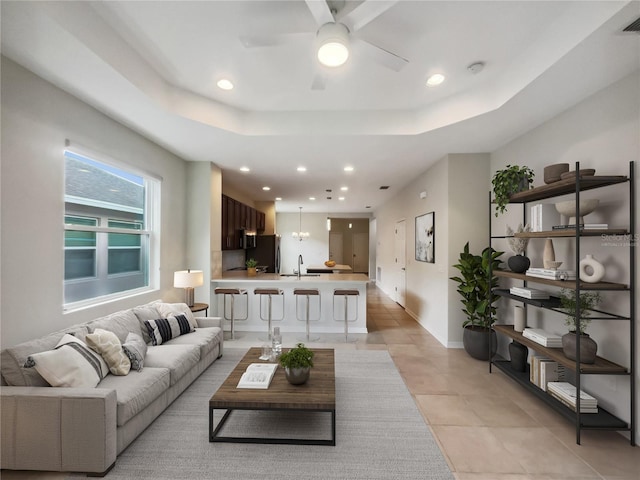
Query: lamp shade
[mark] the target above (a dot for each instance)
(188, 279)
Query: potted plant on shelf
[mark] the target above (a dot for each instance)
(251, 267)
(518, 263)
(297, 364)
(588, 346)
(475, 284)
(506, 182)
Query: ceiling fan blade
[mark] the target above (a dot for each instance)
(366, 12)
(270, 40)
(320, 11)
(319, 81)
(379, 55)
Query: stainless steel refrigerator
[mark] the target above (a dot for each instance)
(266, 252)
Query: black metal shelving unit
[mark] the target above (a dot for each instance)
(603, 420)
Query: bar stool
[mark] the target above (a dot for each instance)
(232, 292)
(345, 293)
(270, 292)
(307, 292)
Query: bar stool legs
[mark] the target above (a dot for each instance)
(345, 293)
(269, 292)
(307, 293)
(232, 292)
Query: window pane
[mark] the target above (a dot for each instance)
(124, 260)
(74, 220)
(73, 238)
(79, 264)
(125, 224)
(123, 240)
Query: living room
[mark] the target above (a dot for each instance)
(40, 120)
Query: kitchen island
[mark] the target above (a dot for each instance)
(325, 283)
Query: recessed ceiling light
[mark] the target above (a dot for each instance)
(348, 168)
(266, 189)
(340, 198)
(435, 79)
(225, 84)
(312, 198)
(278, 199)
(245, 169)
(344, 189)
(302, 169)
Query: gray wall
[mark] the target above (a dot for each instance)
(36, 119)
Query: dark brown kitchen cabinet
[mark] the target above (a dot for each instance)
(237, 216)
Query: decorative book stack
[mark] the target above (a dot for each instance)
(543, 217)
(543, 338)
(551, 274)
(566, 393)
(530, 293)
(583, 226)
(544, 370)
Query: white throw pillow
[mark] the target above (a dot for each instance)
(70, 364)
(108, 345)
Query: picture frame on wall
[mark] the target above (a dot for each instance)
(425, 238)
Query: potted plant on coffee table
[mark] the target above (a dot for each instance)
(475, 285)
(297, 364)
(506, 182)
(588, 346)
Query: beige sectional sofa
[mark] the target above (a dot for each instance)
(83, 429)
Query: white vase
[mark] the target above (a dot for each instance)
(591, 270)
(519, 320)
(549, 255)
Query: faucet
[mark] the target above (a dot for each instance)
(300, 262)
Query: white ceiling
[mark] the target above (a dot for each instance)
(153, 66)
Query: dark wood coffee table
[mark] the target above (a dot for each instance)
(318, 394)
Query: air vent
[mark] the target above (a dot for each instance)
(384, 187)
(634, 27)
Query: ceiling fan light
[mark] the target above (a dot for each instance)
(333, 44)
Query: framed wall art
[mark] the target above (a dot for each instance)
(425, 238)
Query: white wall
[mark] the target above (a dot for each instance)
(314, 250)
(36, 119)
(602, 132)
(453, 186)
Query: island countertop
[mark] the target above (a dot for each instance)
(288, 308)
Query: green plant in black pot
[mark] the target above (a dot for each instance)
(569, 302)
(510, 180)
(297, 364)
(476, 283)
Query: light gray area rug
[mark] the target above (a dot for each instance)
(380, 433)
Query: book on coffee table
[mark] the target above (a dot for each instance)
(258, 375)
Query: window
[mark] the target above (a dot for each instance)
(108, 229)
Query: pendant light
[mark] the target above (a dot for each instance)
(300, 235)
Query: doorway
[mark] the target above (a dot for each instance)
(335, 247)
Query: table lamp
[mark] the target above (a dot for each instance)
(188, 279)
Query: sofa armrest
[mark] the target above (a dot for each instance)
(204, 322)
(58, 429)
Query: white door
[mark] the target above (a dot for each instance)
(401, 259)
(360, 253)
(335, 247)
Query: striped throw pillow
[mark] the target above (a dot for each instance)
(164, 329)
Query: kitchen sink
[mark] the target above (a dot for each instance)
(302, 275)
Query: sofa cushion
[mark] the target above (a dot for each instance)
(179, 359)
(106, 343)
(12, 359)
(144, 313)
(120, 323)
(205, 338)
(136, 391)
(162, 330)
(70, 364)
(135, 348)
(167, 310)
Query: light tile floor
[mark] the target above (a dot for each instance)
(487, 426)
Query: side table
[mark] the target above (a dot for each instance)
(198, 307)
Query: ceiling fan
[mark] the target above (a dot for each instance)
(334, 39)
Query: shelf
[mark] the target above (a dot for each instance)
(601, 366)
(561, 283)
(571, 233)
(552, 302)
(564, 187)
(600, 420)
